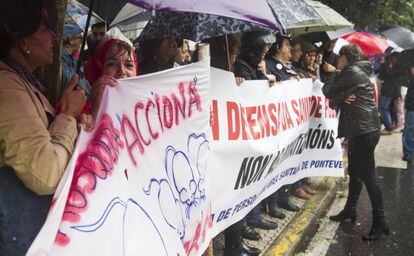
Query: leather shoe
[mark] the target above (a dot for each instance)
(262, 223)
(300, 193)
(275, 212)
(288, 205)
(241, 250)
(250, 234)
(309, 190)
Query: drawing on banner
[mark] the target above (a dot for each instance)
(94, 164)
(183, 188)
(134, 215)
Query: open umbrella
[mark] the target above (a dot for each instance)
(369, 43)
(293, 13)
(131, 20)
(77, 14)
(107, 9)
(324, 36)
(402, 37)
(194, 26)
(329, 20)
(257, 11)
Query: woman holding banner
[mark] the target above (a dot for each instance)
(350, 89)
(35, 142)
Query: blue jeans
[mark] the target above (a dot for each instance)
(22, 214)
(408, 134)
(385, 110)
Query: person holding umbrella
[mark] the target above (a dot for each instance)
(359, 123)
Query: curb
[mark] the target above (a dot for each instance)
(304, 222)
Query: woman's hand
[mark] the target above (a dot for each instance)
(73, 100)
(239, 80)
(86, 122)
(272, 80)
(328, 67)
(351, 98)
(97, 91)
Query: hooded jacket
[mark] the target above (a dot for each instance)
(361, 116)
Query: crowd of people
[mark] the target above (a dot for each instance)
(37, 139)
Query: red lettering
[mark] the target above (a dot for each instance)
(179, 106)
(168, 110)
(194, 98)
(233, 127)
(214, 120)
(251, 122)
(149, 104)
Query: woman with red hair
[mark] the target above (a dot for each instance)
(114, 59)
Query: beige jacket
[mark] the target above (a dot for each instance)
(36, 151)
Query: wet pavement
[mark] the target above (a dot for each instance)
(398, 190)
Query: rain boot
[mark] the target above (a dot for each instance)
(379, 226)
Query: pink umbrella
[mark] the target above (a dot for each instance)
(370, 44)
(257, 11)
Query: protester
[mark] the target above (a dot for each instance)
(308, 67)
(359, 123)
(114, 59)
(70, 57)
(296, 54)
(408, 133)
(249, 66)
(390, 91)
(35, 142)
(185, 53)
(319, 61)
(158, 54)
(97, 36)
(278, 64)
(329, 60)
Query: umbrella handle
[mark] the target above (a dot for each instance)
(85, 35)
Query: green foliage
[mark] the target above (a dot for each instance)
(371, 14)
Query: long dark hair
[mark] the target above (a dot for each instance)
(18, 19)
(252, 47)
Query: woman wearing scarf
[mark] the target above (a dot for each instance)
(35, 142)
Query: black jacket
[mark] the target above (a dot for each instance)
(391, 85)
(331, 58)
(360, 117)
(409, 98)
(243, 69)
(280, 71)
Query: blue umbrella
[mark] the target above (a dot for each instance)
(76, 18)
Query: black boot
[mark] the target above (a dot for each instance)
(262, 223)
(288, 205)
(346, 213)
(379, 225)
(241, 250)
(250, 234)
(275, 212)
(376, 231)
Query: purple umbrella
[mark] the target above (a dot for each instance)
(257, 11)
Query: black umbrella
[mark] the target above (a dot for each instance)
(194, 26)
(107, 9)
(403, 37)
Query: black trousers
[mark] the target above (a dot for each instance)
(362, 171)
(22, 214)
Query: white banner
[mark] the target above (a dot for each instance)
(154, 179)
(263, 138)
